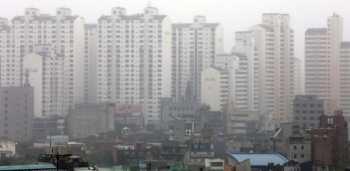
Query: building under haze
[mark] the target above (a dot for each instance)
(5, 57)
(17, 113)
(46, 74)
(193, 49)
(299, 77)
(64, 31)
(90, 60)
(134, 59)
(274, 40)
(326, 65)
(247, 75)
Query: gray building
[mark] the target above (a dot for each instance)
(307, 110)
(91, 118)
(184, 110)
(42, 127)
(16, 113)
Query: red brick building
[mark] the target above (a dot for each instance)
(329, 142)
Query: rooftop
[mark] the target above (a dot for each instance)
(258, 159)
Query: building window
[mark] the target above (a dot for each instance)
(302, 155)
(295, 156)
(295, 147)
(302, 147)
(304, 105)
(312, 105)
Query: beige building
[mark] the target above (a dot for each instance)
(90, 119)
(326, 65)
(215, 88)
(274, 40)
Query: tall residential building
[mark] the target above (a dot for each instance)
(17, 113)
(90, 60)
(6, 60)
(299, 79)
(64, 31)
(134, 59)
(274, 40)
(325, 65)
(194, 48)
(45, 70)
(247, 75)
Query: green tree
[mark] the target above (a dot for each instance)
(107, 155)
(7, 161)
(204, 107)
(94, 158)
(121, 159)
(28, 159)
(233, 168)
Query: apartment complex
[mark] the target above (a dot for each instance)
(5, 57)
(64, 31)
(45, 70)
(247, 75)
(134, 59)
(325, 64)
(90, 59)
(194, 47)
(274, 40)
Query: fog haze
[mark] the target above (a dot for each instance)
(234, 15)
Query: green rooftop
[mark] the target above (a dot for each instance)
(29, 167)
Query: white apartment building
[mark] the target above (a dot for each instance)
(247, 76)
(299, 79)
(194, 47)
(274, 40)
(46, 74)
(134, 59)
(6, 60)
(90, 60)
(64, 31)
(326, 65)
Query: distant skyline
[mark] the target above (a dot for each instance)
(234, 15)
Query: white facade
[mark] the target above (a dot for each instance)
(46, 75)
(274, 41)
(64, 31)
(215, 88)
(90, 60)
(299, 79)
(6, 61)
(247, 76)
(326, 65)
(194, 47)
(134, 59)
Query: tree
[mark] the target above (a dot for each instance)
(107, 156)
(7, 161)
(121, 159)
(233, 168)
(28, 159)
(204, 107)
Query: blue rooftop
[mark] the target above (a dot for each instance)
(29, 167)
(258, 159)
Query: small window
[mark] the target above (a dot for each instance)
(302, 147)
(295, 147)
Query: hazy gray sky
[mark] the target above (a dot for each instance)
(234, 15)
